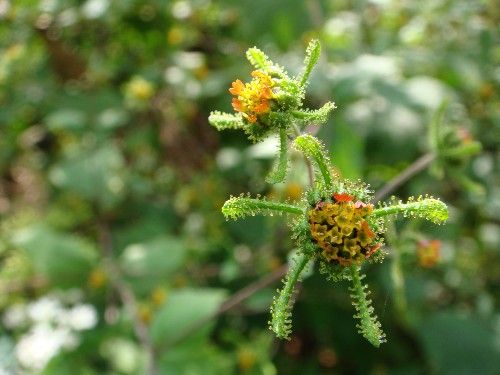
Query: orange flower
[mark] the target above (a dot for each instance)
(428, 252)
(253, 98)
(344, 197)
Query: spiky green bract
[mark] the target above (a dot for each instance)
(259, 59)
(424, 207)
(314, 150)
(242, 206)
(278, 173)
(316, 117)
(281, 322)
(312, 54)
(223, 121)
(368, 324)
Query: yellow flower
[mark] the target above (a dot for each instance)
(341, 231)
(253, 98)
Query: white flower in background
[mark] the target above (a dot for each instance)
(81, 317)
(52, 326)
(15, 317)
(45, 310)
(36, 348)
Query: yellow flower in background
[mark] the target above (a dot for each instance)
(253, 98)
(138, 91)
(428, 253)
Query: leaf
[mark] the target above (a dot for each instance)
(459, 345)
(62, 258)
(183, 311)
(95, 174)
(148, 263)
(66, 119)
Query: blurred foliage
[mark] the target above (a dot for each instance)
(112, 183)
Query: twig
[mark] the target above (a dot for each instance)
(126, 295)
(417, 166)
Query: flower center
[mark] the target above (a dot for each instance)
(253, 98)
(341, 230)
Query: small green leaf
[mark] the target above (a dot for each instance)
(259, 59)
(312, 55)
(368, 325)
(313, 149)
(281, 314)
(424, 207)
(279, 171)
(316, 117)
(221, 120)
(242, 206)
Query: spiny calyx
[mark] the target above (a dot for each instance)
(341, 230)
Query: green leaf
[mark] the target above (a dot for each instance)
(182, 312)
(458, 344)
(312, 55)
(279, 171)
(368, 325)
(242, 206)
(221, 120)
(62, 258)
(66, 119)
(424, 207)
(96, 174)
(281, 322)
(316, 117)
(313, 149)
(259, 59)
(149, 263)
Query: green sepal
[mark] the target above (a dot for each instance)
(281, 322)
(242, 206)
(280, 168)
(424, 207)
(313, 149)
(312, 55)
(368, 324)
(221, 120)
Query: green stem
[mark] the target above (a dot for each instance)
(281, 322)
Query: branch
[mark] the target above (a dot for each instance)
(126, 295)
(417, 166)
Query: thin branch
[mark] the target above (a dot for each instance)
(417, 166)
(126, 295)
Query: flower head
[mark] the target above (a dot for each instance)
(253, 99)
(340, 229)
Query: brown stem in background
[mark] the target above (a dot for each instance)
(417, 166)
(126, 295)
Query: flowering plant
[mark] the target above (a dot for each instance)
(335, 223)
